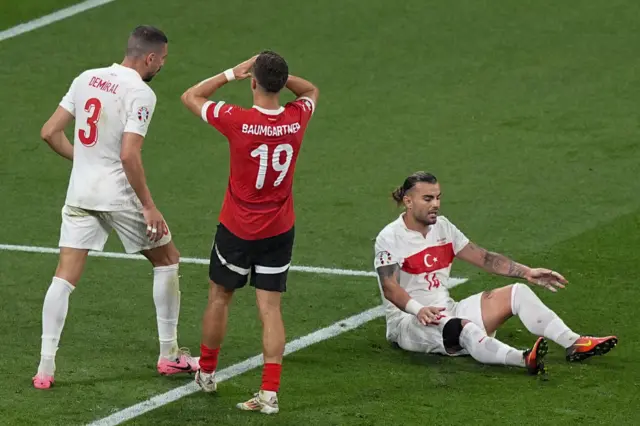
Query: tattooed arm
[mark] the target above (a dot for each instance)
(502, 265)
(493, 262)
(394, 293)
(391, 290)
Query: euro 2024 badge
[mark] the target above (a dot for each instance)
(143, 114)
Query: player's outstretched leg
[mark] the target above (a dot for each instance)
(166, 297)
(273, 342)
(542, 321)
(54, 311)
(488, 350)
(214, 327)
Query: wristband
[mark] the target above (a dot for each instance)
(229, 74)
(413, 307)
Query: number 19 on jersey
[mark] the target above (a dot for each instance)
(262, 152)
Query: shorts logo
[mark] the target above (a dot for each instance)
(143, 114)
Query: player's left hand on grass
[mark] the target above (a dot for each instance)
(551, 280)
(243, 70)
(155, 223)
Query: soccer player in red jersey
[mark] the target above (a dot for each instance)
(256, 231)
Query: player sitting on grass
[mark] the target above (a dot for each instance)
(413, 258)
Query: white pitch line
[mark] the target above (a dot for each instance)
(51, 18)
(199, 261)
(242, 367)
(453, 281)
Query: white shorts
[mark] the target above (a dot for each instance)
(88, 229)
(415, 337)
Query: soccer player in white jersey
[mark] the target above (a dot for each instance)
(413, 257)
(112, 108)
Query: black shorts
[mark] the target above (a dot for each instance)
(267, 260)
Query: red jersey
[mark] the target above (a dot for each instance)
(264, 147)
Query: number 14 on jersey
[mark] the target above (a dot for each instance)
(432, 280)
(262, 152)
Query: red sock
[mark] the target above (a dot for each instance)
(208, 358)
(271, 377)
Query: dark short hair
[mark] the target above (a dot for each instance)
(145, 39)
(411, 181)
(271, 71)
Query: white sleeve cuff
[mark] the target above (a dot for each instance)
(136, 132)
(68, 107)
(306, 98)
(205, 108)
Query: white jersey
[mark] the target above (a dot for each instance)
(106, 103)
(425, 263)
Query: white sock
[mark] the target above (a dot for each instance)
(267, 395)
(539, 319)
(54, 313)
(488, 350)
(166, 296)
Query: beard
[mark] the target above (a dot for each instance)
(429, 219)
(147, 78)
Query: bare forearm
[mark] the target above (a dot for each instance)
(208, 87)
(60, 144)
(398, 296)
(134, 171)
(300, 86)
(195, 97)
(492, 262)
(390, 287)
(502, 265)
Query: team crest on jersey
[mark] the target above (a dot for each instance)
(143, 114)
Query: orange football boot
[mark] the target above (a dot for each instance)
(533, 357)
(588, 346)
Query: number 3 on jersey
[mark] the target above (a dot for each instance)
(93, 107)
(263, 153)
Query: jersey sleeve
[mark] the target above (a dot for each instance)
(459, 240)
(220, 115)
(68, 102)
(385, 253)
(141, 105)
(306, 107)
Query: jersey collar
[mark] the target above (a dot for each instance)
(269, 111)
(126, 69)
(411, 231)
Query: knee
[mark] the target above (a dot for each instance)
(470, 334)
(451, 334)
(518, 292)
(500, 301)
(169, 256)
(269, 304)
(173, 255)
(498, 294)
(218, 295)
(520, 288)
